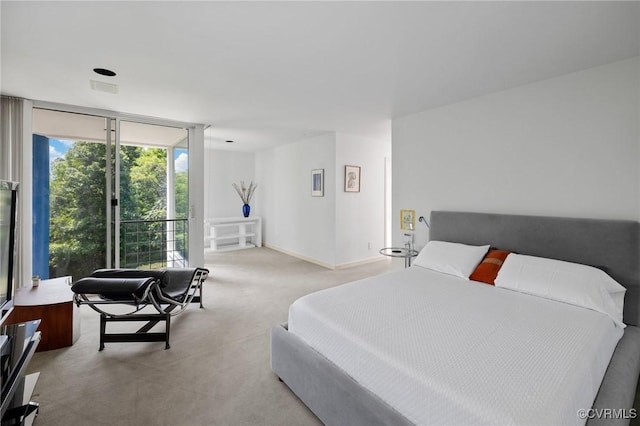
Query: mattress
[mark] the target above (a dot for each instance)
(444, 350)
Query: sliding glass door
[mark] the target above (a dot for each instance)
(151, 217)
(69, 190)
(107, 193)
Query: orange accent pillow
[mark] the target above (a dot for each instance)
(487, 270)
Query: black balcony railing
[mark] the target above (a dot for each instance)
(149, 244)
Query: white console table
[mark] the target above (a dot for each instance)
(233, 233)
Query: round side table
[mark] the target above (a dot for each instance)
(408, 254)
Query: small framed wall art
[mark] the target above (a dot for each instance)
(317, 183)
(351, 178)
(407, 220)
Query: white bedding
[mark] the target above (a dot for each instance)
(443, 350)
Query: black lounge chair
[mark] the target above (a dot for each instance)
(169, 291)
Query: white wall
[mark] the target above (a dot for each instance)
(293, 220)
(222, 168)
(567, 146)
(196, 192)
(25, 221)
(360, 216)
(335, 230)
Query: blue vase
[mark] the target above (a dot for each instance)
(246, 209)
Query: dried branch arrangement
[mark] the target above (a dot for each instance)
(245, 192)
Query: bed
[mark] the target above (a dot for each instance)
(380, 384)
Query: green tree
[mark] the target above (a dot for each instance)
(77, 198)
(128, 158)
(182, 212)
(78, 205)
(182, 195)
(149, 184)
(148, 189)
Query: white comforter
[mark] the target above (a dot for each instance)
(443, 350)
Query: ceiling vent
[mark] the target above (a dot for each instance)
(104, 87)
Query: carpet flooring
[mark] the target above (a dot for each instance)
(217, 370)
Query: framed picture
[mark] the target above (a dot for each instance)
(407, 220)
(351, 178)
(317, 183)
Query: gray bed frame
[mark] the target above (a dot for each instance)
(613, 245)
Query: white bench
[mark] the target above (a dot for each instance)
(233, 233)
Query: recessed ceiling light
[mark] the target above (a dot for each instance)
(229, 141)
(105, 72)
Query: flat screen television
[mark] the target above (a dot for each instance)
(8, 235)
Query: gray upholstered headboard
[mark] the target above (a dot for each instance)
(612, 245)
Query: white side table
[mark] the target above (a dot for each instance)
(408, 254)
(234, 233)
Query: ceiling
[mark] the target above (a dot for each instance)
(267, 73)
(70, 126)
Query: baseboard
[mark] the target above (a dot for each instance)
(321, 263)
(299, 256)
(378, 258)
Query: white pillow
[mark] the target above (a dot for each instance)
(451, 258)
(573, 283)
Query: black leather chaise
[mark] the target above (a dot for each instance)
(168, 290)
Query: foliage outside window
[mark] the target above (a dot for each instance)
(77, 202)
